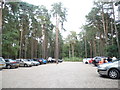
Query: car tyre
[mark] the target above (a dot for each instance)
(114, 74)
(8, 66)
(25, 65)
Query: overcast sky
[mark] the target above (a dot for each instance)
(77, 9)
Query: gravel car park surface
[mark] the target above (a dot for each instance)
(63, 75)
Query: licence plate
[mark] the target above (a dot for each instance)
(1, 64)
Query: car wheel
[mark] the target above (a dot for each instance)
(25, 65)
(86, 62)
(114, 74)
(8, 66)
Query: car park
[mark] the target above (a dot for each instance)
(11, 64)
(111, 69)
(2, 63)
(24, 62)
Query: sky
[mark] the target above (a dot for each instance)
(77, 10)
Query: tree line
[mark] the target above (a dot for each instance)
(27, 30)
(100, 36)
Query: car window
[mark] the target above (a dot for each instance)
(0, 59)
(25, 60)
(7, 60)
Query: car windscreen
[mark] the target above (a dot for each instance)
(2, 60)
(10, 60)
(25, 60)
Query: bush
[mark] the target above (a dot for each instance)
(73, 59)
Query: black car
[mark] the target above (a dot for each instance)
(11, 63)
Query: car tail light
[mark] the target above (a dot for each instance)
(40, 60)
(13, 62)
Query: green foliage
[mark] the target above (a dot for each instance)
(73, 59)
(112, 50)
(22, 30)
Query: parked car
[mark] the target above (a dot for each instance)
(53, 60)
(35, 63)
(39, 60)
(60, 60)
(11, 64)
(111, 69)
(24, 62)
(103, 60)
(43, 61)
(2, 63)
(87, 60)
(97, 59)
(49, 59)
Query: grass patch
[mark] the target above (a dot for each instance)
(73, 59)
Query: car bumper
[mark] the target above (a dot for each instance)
(29, 65)
(12, 65)
(2, 66)
(102, 71)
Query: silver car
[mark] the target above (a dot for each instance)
(111, 69)
(2, 63)
(34, 63)
(24, 62)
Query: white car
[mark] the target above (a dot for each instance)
(49, 59)
(86, 60)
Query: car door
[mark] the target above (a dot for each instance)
(2, 63)
(7, 62)
(21, 63)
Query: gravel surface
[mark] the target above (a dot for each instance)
(63, 75)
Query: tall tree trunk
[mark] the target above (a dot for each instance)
(117, 39)
(31, 47)
(101, 45)
(44, 42)
(72, 50)
(69, 51)
(26, 48)
(56, 40)
(21, 37)
(85, 47)
(112, 31)
(94, 46)
(106, 30)
(104, 26)
(36, 49)
(91, 50)
(1, 28)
